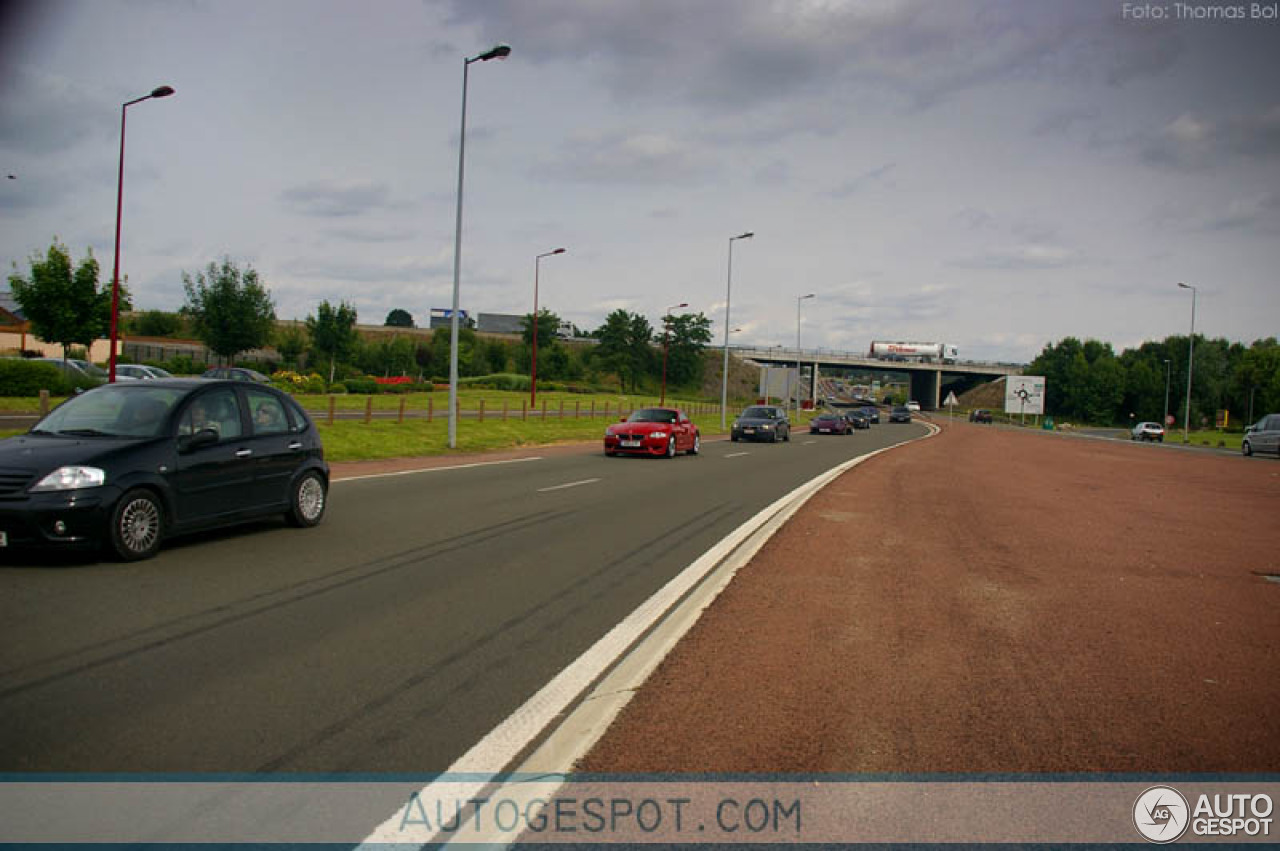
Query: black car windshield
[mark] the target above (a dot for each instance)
(760, 414)
(652, 415)
(113, 410)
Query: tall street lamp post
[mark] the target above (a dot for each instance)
(533, 370)
(1191, 351)
(728, 290)
(1167, 371)
(799, 300)
(666, 332)
(158, 92)
(500, 51)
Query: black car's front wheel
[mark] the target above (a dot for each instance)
(308, 501)
(136, 525)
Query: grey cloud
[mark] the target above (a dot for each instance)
(1193, 141)
(44, 113)
(1259, 212)
(334, 199)
(629, 157)
(371, 235)
(864, 181)
(1027, 256)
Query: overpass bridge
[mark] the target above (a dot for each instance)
(926, 378)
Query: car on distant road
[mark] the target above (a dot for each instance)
(236, 373)
(1262, 436)
(141, 372)
(127, 465)
(830, 423)
(1147, 431)
(653, 431)
(761, 422)
(980, 415)
(873, 414)
(900, 414)
(913, 406)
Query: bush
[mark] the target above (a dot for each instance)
(27, 378)
(361, 385)
(498, 381)
(338, 389)
(182, 365)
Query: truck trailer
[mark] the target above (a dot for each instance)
(921, 352)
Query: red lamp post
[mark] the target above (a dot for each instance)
(533, 378)
(666, 332)
(158, 92)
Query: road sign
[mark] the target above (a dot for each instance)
(951, 399)
(1024, 394)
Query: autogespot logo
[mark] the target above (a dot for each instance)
(1161, 814)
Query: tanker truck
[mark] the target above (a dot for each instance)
(922, 352)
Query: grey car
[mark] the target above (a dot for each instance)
(762, 422)
(1263, 436)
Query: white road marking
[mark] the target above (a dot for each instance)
(809, 442)
(438, 469)
(568, 485)
(737, 454)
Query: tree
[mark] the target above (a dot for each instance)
(333, 332)
(156, 323)
(399, 318)
(231, 311)
(548, 327)
(291, 342)
(688, 335)
(625, 346)
(63, 306)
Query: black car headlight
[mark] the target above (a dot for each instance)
(71, 478)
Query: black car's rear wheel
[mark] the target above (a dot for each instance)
(308, 501)
(1246, 448)
(137, 524)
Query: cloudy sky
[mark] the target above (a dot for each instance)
(995, 175)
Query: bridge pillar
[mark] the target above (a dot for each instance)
(926, 388)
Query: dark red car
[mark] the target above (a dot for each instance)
(653, 431)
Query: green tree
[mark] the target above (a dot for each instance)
(333, 333)
(156, 323)
(63, 306)
(230, 310)
(1257, 375)
(548, 327)
(291, 342)
(399, 318)
(626, 346)
(688, 334)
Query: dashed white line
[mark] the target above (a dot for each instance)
(737, 454)
(568, 485)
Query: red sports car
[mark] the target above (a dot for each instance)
(653, 431)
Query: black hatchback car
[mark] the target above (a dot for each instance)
(761, 422)
(126, 465)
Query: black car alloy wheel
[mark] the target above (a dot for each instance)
(136, 525)
(308, 502)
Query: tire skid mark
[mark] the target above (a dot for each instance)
(258, 604)
(639, 557)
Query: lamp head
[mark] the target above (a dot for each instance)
(498, 51)
(162, 91)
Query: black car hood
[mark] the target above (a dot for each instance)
(43, 453)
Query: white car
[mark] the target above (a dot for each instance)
(130, 370)
(1147, 431)
(913, 406)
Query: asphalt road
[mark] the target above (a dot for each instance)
(422, 611)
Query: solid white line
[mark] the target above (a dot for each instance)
(737, 454)
(809, 442)
(438, 469)
(568, 485)
(503, 743)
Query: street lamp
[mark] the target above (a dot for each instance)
(500, 51)
(158, 92)
(1186, 422)
(1167, 371)
(799, 299)
(724, 378)
(533, 381)
(666, 331)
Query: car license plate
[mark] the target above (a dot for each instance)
(825, 430)
(748, 431)
(631, 444)
(4, 539)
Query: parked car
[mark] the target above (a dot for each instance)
(830, 423)
(980, 415)
(873, 414)
(1147, 431)
(913, 406)
(900, 414)
(761, 422)
(236, 373)
(72, 371)
(1262, 436)
(127, 465)
(859, 418)
(653, 431)
(141, 372)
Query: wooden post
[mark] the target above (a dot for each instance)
(593, 409)
(544, 410)
(330, 410)
(561, 410)
(482, 410)
(577, 409)
(524, 410)
(368, 409)
(431, 408)
(504, 410)
(400, 418)
(44, 400)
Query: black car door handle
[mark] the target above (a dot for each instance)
(296, 445)
(243, 453)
